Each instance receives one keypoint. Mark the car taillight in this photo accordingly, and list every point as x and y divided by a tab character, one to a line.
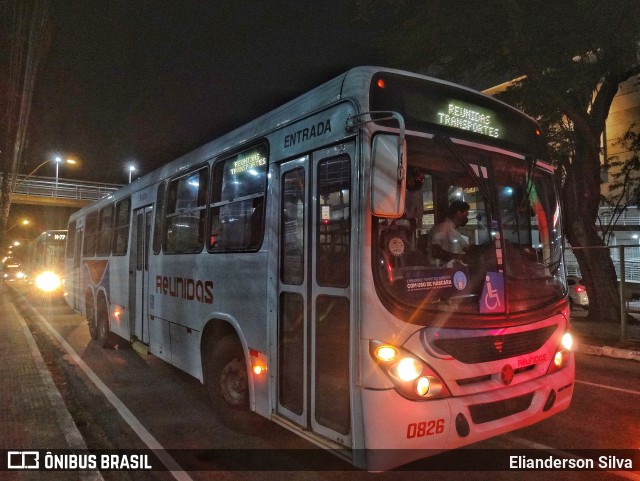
579	288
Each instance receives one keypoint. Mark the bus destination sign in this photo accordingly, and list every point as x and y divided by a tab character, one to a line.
471	118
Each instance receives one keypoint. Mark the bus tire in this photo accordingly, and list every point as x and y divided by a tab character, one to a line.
91	319
227	384
102	325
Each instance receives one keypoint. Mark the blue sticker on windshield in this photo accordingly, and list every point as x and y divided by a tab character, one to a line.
460	280
492	298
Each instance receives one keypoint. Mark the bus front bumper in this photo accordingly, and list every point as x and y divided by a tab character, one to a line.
398	431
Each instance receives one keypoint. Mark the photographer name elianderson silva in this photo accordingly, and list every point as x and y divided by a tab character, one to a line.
551	462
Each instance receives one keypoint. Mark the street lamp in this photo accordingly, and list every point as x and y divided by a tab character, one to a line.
132	169
58	161
22	222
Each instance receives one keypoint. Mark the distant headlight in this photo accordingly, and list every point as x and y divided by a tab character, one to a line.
20	275
48	281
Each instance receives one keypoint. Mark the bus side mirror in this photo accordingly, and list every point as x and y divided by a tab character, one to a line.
388	176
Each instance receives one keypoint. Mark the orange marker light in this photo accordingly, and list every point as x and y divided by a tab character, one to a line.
381	83
258	362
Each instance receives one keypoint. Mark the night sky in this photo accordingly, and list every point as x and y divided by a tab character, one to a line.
147	81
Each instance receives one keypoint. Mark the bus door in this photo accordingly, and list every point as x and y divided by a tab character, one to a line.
139	272
314	321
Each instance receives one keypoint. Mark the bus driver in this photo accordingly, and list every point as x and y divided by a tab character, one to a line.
445	242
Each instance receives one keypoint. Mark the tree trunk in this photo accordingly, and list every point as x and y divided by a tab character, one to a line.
5	205
581	199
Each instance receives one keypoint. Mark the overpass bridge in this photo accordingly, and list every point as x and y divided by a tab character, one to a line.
47	191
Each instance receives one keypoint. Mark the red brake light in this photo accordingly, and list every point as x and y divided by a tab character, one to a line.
381	83
579	288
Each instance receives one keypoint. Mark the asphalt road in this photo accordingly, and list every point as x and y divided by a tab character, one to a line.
158	403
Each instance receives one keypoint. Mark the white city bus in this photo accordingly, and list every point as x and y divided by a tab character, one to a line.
46	261
287	265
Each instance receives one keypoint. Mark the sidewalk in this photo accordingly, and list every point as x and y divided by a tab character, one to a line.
33	413
605	338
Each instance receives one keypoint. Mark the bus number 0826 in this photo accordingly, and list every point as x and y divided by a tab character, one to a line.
425	428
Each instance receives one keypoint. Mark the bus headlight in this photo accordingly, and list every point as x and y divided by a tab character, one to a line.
563	353
411	376
48	281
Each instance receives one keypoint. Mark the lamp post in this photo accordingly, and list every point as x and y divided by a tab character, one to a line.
58	161
132	169
22	222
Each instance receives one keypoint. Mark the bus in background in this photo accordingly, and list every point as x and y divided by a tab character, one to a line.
46	261
290	266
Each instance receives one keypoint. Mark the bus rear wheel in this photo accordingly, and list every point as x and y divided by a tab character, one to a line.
227	384
92	321
102	326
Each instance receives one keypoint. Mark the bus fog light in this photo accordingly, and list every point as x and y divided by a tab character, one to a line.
422	386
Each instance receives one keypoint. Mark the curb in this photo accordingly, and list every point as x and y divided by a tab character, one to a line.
608	351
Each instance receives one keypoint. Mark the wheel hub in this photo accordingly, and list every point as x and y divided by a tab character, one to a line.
233	383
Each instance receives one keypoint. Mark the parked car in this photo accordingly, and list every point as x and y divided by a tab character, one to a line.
577	292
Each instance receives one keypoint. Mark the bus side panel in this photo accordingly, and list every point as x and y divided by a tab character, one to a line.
118	296
188	290
159	338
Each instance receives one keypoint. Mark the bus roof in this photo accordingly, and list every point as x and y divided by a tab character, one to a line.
352	85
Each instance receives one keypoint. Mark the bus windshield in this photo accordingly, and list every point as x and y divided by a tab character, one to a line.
481	233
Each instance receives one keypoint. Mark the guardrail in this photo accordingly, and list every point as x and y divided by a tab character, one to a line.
626	260
63	188
630	264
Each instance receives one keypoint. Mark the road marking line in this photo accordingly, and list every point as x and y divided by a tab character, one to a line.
174	468
612	388
560	452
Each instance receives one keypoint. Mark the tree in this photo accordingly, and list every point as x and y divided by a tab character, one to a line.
569	58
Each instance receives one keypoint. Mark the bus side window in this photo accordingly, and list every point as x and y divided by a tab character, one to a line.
90	235
105	226
71	240
186	212
120	239
237	203
158	228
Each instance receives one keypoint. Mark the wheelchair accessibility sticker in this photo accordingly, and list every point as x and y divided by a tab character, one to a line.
492	298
